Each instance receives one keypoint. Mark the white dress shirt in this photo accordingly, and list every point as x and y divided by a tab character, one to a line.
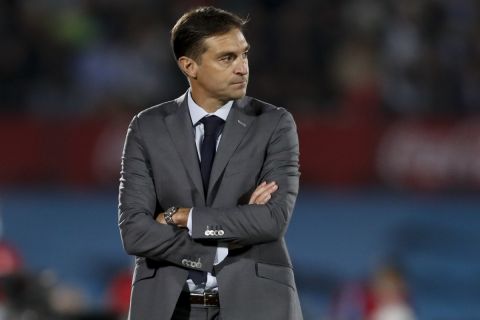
196	114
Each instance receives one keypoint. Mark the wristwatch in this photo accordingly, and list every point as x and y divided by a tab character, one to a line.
169	214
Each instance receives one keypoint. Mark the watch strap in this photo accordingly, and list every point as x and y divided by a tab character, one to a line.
168	215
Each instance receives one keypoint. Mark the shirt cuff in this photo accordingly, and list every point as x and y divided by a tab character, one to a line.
220	255
189	222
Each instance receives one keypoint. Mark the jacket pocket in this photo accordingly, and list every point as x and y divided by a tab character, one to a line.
280	274
142	271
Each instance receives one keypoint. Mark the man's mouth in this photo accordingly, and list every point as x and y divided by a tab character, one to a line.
243	82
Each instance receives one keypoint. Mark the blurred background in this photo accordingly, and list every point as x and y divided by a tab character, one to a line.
386	96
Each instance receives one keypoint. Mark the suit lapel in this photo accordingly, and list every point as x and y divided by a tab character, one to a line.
179	124
236	126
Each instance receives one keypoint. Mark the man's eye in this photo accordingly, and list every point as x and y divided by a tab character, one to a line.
245	55
226	58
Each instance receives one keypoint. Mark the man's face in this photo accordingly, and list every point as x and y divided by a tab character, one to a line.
222	70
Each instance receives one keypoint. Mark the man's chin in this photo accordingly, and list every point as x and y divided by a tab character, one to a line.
233	94
239	94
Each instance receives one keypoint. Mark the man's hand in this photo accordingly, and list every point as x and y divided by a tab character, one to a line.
180	218
263	193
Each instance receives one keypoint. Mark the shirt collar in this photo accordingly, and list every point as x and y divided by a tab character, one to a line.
197	112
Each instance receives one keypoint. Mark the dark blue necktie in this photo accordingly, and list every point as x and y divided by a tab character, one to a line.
212	127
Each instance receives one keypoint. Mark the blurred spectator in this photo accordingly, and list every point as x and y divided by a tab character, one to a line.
29	296
349	302
382	297
10	260
24	297
118	294
389	297
67	301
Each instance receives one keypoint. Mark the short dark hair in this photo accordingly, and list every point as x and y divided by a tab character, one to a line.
195	26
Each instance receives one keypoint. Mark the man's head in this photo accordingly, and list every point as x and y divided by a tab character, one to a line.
190	31
211	51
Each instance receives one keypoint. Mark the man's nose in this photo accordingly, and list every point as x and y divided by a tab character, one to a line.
241	66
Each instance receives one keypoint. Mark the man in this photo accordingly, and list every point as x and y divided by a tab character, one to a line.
208	186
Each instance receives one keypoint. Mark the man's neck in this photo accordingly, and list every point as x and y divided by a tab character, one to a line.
210	105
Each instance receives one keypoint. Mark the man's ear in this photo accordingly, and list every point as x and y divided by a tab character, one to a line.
188	66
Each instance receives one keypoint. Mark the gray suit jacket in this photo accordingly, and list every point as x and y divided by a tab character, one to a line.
160	168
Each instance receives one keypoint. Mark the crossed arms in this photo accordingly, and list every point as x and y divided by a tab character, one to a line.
261	195
265	218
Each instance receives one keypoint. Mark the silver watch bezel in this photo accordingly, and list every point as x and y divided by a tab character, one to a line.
168	215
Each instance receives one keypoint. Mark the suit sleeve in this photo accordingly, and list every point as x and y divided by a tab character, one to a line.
141	234
253	224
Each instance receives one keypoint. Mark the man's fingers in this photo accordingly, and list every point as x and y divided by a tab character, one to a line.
263	192
257	192
265	198
266	195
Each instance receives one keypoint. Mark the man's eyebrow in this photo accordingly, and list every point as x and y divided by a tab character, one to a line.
226	53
